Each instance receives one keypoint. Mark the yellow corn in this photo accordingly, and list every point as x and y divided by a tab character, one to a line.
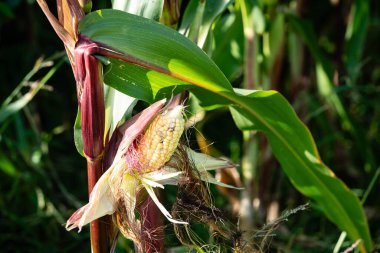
161	139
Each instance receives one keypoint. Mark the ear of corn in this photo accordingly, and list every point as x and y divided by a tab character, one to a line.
161	139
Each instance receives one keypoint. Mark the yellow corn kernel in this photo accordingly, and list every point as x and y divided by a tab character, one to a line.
161	139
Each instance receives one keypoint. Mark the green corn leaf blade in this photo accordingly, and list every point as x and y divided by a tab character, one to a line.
163	62
253	16
144	8
12	108
229	45
192	20
290	138
355	37
257	19
7	167
149	42
78	140
198	18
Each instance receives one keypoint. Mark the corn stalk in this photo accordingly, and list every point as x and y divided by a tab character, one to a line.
88	74
91	104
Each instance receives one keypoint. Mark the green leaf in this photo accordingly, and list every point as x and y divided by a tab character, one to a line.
295	149
162	62
6	110
229	45
258	19
253	16
198	18
145	8
355	36
78	140
7	166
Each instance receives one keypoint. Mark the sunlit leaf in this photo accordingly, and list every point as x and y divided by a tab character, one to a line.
144	8
198	18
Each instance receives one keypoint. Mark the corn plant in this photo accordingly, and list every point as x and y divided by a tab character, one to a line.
130	58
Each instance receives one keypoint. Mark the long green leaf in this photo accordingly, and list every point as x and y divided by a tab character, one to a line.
356	34
162	62
229	45
198	18
145	8
12	108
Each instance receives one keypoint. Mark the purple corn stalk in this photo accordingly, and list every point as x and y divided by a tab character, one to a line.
90	95
88	75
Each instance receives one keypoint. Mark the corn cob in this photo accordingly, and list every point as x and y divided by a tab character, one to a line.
161	139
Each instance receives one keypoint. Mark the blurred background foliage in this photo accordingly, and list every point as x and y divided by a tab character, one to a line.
323	56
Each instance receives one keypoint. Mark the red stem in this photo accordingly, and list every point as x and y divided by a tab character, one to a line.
99	229
91	100
88	75
90	94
